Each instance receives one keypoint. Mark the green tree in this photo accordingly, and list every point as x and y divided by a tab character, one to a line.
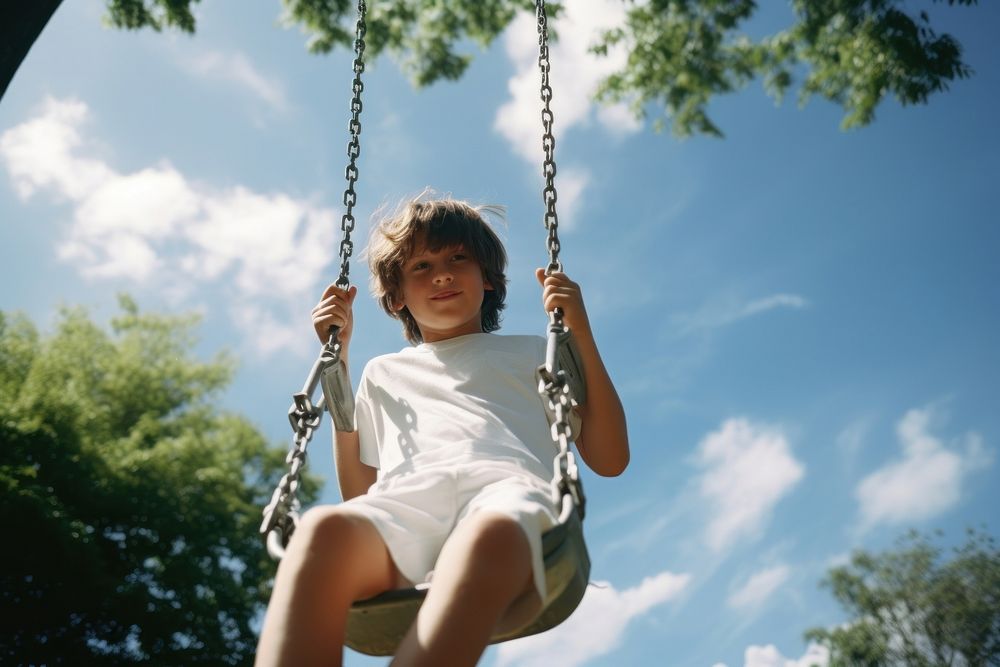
131	502
911	607
681	53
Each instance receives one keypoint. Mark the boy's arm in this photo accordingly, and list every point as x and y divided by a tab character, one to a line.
353	476
603	437
335	309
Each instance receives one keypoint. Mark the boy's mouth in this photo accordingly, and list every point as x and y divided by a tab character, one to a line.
447	294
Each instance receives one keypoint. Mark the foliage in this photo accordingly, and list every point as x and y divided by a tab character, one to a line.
131	502
910	607
680	53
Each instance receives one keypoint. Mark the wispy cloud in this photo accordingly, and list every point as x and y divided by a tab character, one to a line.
266	250
758	588
851	439
748	469
596	627
574	77
572	184
724	312
926	481
236	69
769	656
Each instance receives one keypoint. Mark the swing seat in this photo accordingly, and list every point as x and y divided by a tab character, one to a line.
377	625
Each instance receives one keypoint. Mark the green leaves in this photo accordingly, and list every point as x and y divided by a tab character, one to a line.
910	607
131	500
156	14
680	53
851	52
423	35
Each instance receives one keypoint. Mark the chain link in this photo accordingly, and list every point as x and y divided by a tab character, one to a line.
281	514
347	223
566	478
548	141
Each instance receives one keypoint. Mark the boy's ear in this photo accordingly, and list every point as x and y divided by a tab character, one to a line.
487	285
396	304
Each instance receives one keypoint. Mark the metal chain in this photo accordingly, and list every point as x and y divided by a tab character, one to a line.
566	478
555	385
353	151
548	141
281	514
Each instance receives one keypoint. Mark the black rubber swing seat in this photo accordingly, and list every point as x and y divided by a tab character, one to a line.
376	626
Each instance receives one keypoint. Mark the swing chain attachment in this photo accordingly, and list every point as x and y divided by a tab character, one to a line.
281	515
554	388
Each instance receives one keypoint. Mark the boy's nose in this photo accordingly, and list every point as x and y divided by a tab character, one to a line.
442	277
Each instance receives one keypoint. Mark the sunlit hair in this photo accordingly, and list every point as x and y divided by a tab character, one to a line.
435	224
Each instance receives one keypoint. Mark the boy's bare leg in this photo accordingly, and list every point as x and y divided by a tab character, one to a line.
334	559
484	566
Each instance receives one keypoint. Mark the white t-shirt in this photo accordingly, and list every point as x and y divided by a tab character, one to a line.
463	399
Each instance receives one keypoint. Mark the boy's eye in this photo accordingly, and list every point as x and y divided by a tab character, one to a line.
419	265
458	256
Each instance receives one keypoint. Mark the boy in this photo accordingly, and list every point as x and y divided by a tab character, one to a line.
448	471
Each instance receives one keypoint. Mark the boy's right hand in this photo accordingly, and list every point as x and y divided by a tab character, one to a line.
335	309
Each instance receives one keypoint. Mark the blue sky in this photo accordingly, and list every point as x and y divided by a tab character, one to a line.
802	322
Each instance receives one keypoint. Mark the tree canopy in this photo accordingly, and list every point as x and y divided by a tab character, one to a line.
913	607
680	53
131	501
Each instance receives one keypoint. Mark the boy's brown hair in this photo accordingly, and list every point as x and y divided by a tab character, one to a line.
436	224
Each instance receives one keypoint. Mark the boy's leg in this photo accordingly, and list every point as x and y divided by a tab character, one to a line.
484	566
334	559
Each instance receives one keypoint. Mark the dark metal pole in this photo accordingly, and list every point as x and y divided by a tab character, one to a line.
21	22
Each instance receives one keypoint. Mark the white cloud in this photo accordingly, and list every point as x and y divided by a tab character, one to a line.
769	656
852	438
574	76
721	313
748	469
926	481
772	302
572	185
759	587
596	627
38	153
266	333
236	68
264	250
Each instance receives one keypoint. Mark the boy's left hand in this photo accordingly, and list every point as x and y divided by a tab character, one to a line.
558	291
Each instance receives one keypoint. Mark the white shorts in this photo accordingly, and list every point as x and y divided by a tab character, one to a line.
415	512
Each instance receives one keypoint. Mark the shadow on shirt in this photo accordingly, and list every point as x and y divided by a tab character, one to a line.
405	419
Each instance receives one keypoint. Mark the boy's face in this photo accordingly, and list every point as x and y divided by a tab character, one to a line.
443	291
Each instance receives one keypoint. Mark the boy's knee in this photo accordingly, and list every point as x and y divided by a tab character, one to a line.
495	536
325	528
